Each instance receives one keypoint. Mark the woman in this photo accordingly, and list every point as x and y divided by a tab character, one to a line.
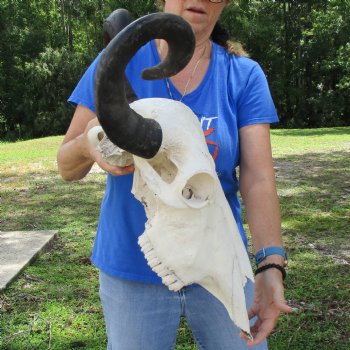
231	98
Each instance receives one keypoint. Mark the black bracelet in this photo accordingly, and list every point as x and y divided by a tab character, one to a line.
270	266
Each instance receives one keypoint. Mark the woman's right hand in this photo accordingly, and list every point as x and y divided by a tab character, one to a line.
96	156
77	155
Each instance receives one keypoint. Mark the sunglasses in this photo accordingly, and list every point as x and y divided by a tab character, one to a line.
216	1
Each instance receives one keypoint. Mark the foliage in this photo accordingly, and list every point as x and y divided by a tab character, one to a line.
50	79
303	46
45	46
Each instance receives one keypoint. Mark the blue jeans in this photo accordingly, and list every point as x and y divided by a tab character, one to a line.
143	316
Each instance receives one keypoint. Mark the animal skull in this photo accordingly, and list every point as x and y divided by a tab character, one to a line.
191	235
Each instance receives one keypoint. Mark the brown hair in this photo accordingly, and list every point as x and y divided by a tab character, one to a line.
221	37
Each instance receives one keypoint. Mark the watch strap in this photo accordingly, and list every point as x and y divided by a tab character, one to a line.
265	252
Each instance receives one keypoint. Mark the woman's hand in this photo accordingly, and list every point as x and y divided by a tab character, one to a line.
77	155
258	189
268	303
96	156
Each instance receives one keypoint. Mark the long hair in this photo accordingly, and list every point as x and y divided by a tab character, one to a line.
221	37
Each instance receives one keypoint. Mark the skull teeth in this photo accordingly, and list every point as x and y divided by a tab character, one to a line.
146	248
150	255
143	240
153	262
176	286
168	277
161	270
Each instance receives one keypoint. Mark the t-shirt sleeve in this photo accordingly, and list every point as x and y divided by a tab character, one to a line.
255	104
83	94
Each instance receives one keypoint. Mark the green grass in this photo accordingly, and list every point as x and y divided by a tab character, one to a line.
313	169
54	304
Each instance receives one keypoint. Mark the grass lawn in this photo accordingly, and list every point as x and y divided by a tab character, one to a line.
54	304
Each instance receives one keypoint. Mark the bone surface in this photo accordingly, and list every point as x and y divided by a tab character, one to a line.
109	151
190	235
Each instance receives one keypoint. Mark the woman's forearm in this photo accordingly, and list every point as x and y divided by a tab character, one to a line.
263	212
73	159
258	188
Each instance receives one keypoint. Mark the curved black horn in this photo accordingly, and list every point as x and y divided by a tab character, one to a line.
124	127
113	25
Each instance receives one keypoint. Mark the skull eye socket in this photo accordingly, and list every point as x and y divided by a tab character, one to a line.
198	190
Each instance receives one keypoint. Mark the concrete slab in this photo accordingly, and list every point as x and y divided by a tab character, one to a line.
18	249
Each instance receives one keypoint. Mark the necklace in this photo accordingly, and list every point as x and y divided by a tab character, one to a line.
189	79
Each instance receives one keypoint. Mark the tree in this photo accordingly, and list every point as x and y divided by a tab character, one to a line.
302	47
45	46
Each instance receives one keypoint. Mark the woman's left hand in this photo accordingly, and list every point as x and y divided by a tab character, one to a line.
268	303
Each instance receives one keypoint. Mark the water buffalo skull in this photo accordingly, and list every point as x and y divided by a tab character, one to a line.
190	235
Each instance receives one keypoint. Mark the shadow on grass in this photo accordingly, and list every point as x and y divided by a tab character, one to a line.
60	288
319	290
44	201
314	191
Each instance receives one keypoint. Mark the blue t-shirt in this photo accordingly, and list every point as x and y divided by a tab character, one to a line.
234	93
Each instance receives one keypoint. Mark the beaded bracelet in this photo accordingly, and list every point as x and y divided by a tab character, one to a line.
270	266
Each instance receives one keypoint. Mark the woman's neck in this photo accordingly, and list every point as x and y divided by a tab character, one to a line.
192	75
205	45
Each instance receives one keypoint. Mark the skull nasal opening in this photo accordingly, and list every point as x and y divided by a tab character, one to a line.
198	190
